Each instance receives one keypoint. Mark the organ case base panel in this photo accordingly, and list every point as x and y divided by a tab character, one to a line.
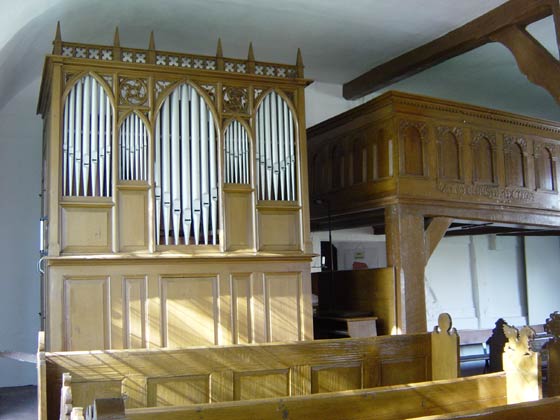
176	302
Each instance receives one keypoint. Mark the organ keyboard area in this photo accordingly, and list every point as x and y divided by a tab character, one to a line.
175	191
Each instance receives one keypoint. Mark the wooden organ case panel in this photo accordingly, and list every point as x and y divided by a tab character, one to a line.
176	208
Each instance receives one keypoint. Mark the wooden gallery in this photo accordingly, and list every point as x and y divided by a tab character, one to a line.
181	192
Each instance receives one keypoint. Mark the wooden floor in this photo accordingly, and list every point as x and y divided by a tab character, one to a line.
18	403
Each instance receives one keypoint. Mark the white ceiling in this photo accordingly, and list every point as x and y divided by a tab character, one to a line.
339	40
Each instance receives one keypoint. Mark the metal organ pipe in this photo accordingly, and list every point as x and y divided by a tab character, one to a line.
213	178
195	163
204	172
186	164
276	146
165	170
108	144
157	178
78	138
175	170
68	181
236	148
133	148
86	139
94	137
102	131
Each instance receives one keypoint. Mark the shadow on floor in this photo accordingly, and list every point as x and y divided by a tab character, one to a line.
18	403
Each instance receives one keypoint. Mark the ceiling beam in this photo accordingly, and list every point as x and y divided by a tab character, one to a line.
468	37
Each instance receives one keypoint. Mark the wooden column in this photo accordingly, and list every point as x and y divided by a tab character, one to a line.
404	232
53	153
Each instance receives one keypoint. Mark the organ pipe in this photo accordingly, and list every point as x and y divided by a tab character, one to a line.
86	138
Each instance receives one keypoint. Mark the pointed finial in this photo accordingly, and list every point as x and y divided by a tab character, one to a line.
219	56
57	43
117	45
251	55
151	59
219	51
299	63
58	36
116	38
251	60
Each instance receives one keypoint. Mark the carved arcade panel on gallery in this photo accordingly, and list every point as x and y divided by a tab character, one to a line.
409	165
151	153
440	150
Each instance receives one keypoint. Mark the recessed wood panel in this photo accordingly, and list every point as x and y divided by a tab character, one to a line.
279	230
413	150
403	371
85	313
86	229
242	313
336	378
515	167
283	293
262	384
133	211
544	165
178	390
134	312
83	393
189	311
239	220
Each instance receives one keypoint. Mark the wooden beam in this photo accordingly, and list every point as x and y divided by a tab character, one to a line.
435	231
540	67
468	37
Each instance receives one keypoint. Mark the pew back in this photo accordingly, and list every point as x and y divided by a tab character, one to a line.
149	378
544	409
385	403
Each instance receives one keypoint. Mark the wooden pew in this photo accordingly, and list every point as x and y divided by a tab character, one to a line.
384	403
228	373
544	409
519	383
552	349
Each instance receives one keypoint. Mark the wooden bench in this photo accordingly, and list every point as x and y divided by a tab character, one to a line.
227	373
519	383
544	409
383	403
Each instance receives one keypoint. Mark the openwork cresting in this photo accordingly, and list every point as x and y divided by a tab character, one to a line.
174	59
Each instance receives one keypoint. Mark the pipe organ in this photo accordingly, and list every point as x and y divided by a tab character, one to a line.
175	199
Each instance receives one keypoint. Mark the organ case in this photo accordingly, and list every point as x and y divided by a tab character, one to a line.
175	199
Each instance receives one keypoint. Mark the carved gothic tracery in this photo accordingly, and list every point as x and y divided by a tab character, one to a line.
236	100
133	91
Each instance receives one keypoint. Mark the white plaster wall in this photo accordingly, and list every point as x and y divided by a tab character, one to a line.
542	256
448	283
20	177
500	273
323	101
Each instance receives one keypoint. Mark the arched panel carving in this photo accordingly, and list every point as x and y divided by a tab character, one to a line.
545	168
337	167
449	143
515	152
413	141
484	158
380	154
359	161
